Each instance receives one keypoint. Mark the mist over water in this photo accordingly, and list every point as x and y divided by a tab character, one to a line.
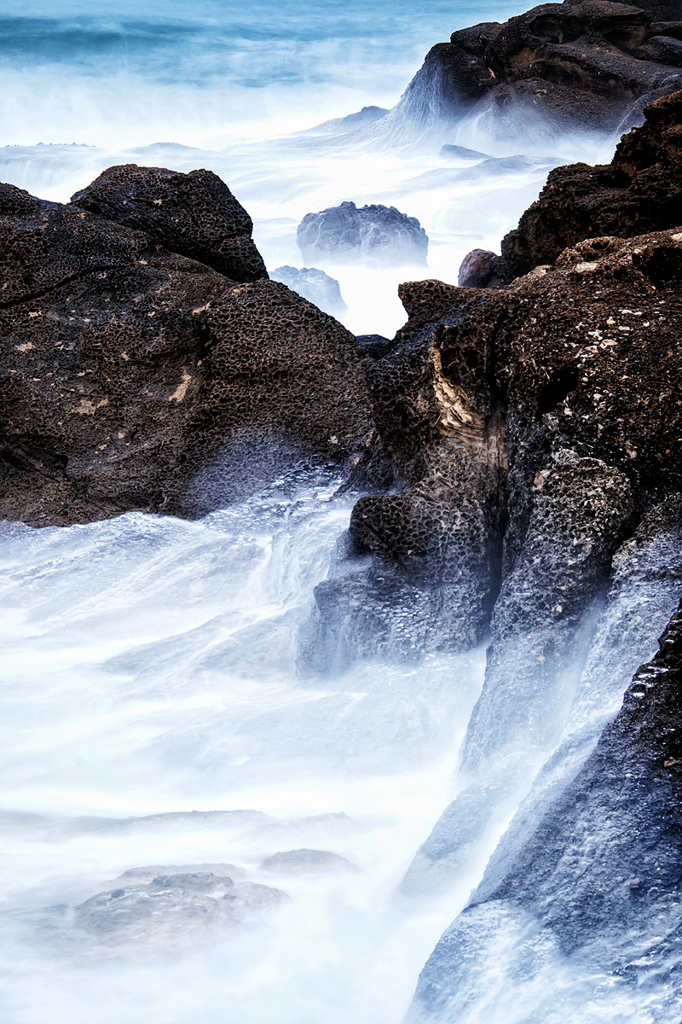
148	669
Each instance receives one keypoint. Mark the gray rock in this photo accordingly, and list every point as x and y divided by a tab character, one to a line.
301	862
375	235
172	911
313	285
476	268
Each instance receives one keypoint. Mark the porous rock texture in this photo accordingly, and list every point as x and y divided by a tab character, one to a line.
376	235
582	64
639	191
546	413
595	891
193	214
136	377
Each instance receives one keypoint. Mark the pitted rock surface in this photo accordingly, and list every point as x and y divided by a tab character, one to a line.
564	381
137	378
193	214
638	192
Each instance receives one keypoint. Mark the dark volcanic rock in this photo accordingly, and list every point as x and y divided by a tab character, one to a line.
477	268
375	235
582	64
315	286
638	192
136	378
193	214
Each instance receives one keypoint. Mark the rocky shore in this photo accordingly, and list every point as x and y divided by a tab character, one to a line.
516	448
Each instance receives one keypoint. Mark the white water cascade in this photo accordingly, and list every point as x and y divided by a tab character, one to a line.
148	671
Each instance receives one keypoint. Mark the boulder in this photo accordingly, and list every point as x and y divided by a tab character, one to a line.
173	911
315	286
136	377
374	235
477	268
193	214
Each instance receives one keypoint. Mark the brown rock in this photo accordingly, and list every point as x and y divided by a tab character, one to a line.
137	378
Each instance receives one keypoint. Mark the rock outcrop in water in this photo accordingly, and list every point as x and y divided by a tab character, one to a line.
378	236
529	435
315	286
639	191
135	376
573	66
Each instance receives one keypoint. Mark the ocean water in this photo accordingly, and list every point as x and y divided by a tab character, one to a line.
148	665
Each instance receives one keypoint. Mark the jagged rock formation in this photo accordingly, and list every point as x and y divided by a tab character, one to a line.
375	235
193	214
578	65
595	890
136	377
529	437
315	286
493	427
639	191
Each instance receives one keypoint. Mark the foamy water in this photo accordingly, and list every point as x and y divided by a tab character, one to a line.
148	667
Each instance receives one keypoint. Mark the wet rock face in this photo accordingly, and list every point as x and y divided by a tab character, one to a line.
315	286
595	891
376	235
134	377
193	214
580	64
638	192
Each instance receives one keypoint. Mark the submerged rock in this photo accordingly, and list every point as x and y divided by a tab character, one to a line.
314	285
307	862
375	235
173	911
134	377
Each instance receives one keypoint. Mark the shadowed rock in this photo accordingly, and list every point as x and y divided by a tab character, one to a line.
375	235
